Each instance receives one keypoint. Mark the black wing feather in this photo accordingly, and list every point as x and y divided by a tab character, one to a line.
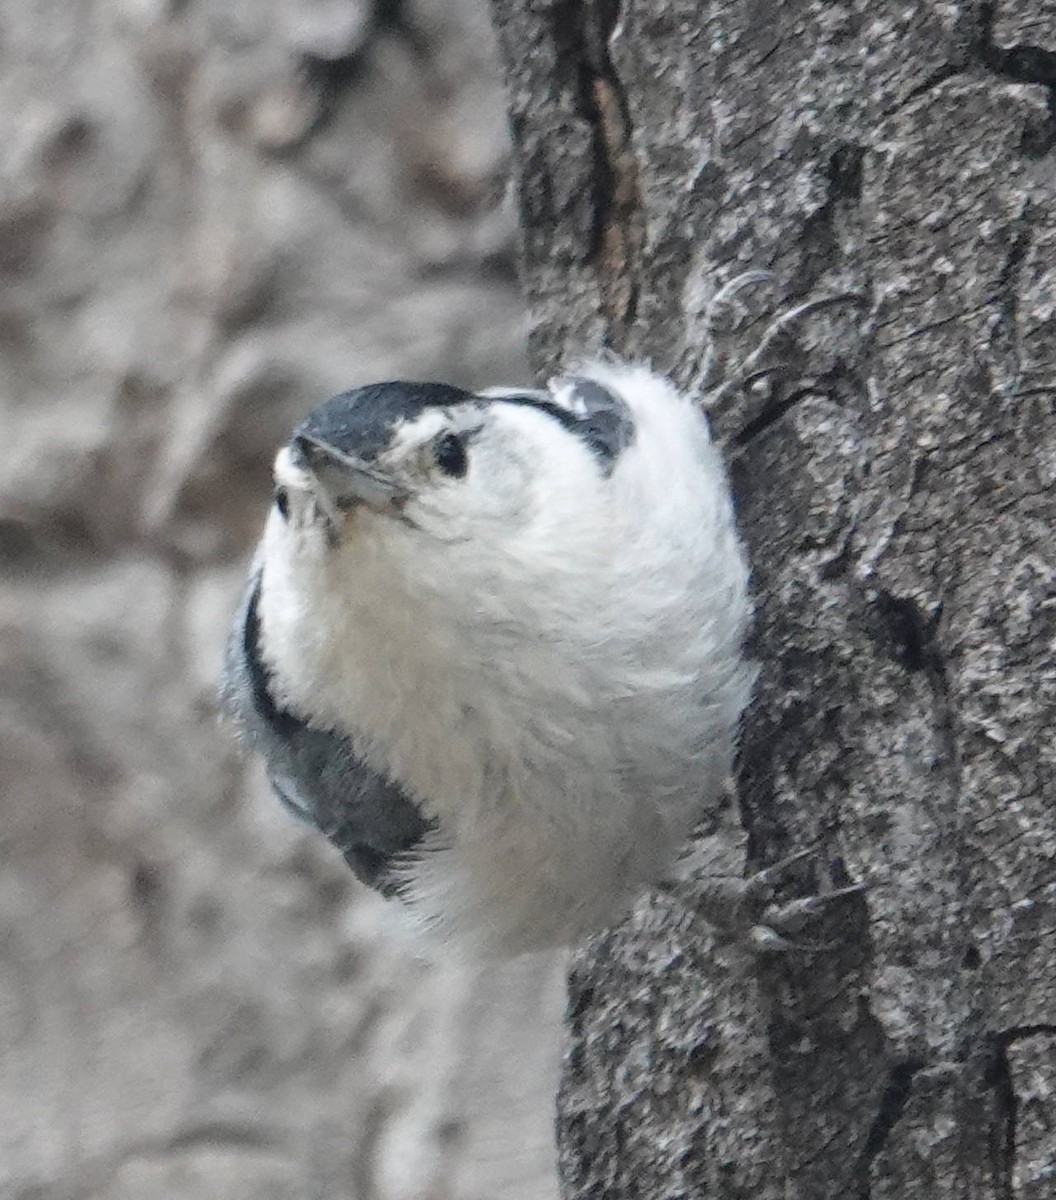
316	772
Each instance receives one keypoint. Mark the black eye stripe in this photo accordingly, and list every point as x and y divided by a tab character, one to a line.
600	418
561	415
282	502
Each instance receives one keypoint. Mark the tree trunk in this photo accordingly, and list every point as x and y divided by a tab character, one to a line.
900	513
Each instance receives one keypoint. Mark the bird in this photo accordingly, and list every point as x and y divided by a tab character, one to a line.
492	645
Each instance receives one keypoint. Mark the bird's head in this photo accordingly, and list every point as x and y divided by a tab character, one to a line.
436	464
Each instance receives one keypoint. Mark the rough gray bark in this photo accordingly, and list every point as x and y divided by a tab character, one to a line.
900	515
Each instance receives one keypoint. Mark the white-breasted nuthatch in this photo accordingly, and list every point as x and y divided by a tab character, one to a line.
492	644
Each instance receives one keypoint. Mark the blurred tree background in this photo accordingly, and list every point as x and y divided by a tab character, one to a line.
213	214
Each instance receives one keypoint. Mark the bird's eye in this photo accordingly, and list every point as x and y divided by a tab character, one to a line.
449	452
282	502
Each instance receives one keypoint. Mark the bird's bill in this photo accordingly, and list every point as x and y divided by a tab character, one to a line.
344	480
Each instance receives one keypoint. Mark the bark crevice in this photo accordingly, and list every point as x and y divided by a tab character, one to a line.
582	33
1019	63
893	1101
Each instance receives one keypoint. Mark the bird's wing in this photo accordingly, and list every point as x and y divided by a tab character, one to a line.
316	773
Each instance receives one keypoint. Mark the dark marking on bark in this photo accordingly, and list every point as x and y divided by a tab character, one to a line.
580	998
843	184
1038	139
1017	251
1018	1033
1024	63
998	1078
582	32
908	632
1008	282
838	874
893	1101
839	565
1004	336
578	1007
844	172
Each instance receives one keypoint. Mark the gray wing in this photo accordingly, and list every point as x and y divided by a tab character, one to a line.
315	772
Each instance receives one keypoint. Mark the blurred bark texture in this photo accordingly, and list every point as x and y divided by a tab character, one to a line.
901	518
